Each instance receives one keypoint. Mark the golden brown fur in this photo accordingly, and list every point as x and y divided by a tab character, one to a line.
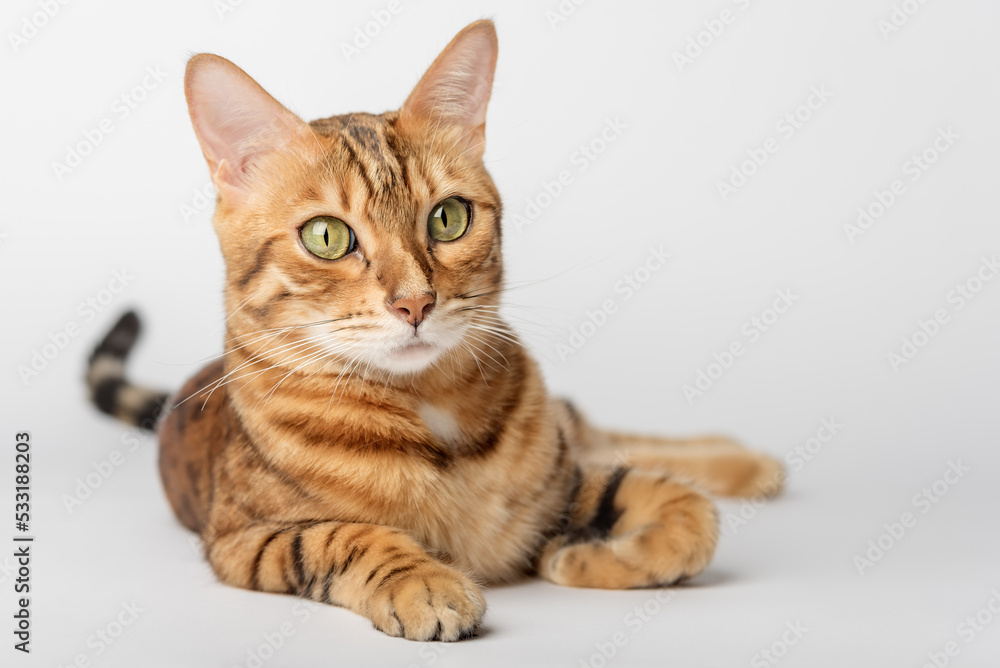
310	467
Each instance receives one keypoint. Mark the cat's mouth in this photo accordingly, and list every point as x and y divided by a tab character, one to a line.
408	351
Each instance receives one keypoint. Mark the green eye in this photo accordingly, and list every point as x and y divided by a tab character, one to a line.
449	220
327	237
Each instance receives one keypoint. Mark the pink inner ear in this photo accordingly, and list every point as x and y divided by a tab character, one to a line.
456	88
234	118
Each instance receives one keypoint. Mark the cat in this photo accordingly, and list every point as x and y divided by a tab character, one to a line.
375	436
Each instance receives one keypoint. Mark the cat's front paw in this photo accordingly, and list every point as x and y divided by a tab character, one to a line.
435	602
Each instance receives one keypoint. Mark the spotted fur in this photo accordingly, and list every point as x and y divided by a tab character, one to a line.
333	453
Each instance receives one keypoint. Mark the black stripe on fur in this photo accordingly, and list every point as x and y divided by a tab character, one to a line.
107	382
120	339
607	514
106	394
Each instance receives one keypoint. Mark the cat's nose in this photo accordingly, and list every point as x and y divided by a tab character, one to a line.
413	309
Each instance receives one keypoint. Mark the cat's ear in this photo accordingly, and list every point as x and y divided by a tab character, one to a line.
456	88
235	120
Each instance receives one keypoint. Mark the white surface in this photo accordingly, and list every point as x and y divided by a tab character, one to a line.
655	185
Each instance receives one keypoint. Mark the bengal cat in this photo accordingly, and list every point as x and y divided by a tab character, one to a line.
375	436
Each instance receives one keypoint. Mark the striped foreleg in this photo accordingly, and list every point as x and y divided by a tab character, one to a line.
376	571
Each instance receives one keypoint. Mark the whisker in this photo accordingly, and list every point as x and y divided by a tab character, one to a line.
497	332
502	321
501	329
224	352
278	332
519	285
309	359
475	358
293	327
240	307
505	365
329	404
226	381
216	384
350	371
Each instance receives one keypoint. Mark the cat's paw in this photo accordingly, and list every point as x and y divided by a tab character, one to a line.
667	531
434	603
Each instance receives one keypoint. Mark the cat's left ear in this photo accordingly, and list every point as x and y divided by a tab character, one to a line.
236	121
456	87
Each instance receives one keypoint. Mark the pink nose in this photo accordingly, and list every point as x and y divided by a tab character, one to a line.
413	309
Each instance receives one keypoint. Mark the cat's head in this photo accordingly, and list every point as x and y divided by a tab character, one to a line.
362	239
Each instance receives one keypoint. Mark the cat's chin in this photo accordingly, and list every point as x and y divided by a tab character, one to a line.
411	358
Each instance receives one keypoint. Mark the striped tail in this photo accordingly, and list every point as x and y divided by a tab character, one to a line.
110	391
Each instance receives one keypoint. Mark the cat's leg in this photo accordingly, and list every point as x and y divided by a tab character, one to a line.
376	571
718	464
631	528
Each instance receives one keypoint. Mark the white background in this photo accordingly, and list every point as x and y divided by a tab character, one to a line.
655	185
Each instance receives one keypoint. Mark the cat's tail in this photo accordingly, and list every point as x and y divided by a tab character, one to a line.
110	391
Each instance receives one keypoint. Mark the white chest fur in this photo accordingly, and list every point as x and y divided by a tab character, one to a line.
442	423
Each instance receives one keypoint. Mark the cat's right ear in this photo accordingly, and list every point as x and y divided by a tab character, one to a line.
456	87
235	120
